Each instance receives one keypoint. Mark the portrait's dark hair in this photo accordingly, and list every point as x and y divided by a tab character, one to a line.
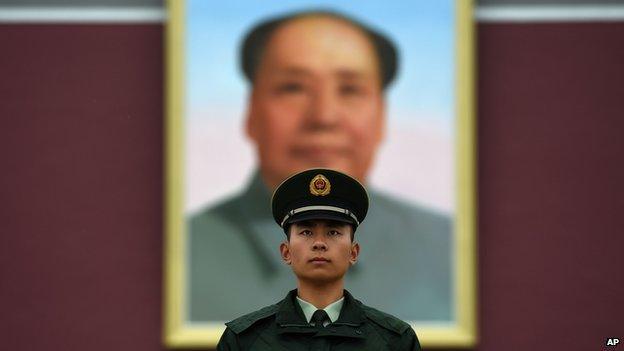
255	41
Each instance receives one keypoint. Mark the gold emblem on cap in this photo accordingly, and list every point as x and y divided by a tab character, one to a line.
320	185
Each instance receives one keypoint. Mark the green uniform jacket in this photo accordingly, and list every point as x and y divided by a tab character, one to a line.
283	327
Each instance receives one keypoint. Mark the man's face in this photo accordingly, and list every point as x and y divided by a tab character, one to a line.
320	251
317	100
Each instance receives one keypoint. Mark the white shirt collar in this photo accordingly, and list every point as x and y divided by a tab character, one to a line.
333	309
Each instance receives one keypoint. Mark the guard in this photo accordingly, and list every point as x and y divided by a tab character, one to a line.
319	211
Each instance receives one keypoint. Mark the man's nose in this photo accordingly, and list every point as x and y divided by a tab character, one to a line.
324	108
319	245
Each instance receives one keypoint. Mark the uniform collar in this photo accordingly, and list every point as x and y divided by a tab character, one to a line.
333	309
290	312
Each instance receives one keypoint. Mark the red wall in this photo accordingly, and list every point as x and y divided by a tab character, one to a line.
551	197
81	141
81	150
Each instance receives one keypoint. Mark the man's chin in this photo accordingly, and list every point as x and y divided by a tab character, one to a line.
335	164
320	277
276	174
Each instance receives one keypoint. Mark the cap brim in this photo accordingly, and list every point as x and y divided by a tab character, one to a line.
329	215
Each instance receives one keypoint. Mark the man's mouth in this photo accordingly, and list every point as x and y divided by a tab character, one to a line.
319	259
320	152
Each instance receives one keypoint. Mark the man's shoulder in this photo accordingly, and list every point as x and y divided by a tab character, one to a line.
242	332
227	208
390	206
219	220
385	320
243	323
397	332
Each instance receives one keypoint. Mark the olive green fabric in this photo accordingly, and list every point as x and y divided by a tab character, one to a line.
234	265
283	327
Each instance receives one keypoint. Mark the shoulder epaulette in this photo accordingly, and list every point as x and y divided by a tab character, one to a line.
241	323
385	320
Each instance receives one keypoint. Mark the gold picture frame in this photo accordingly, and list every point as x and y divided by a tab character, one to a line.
178	333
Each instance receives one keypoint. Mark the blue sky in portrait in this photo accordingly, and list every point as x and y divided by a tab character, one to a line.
422	30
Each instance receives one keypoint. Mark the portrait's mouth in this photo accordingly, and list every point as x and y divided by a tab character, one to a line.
319	260
316	152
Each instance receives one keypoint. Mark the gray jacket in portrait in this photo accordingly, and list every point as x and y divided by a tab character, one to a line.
234	264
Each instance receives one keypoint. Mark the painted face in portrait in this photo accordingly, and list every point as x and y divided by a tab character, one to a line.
317	100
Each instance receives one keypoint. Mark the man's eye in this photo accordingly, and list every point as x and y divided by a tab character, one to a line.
290	87
334	233
306	232
351	89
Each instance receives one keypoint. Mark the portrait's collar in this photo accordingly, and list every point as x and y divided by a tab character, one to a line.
257	198
253	206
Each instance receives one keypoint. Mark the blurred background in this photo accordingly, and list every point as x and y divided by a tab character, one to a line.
81	144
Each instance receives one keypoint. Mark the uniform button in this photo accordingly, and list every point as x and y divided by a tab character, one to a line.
358	332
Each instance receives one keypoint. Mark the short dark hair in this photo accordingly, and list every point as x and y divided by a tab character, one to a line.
255	41
288	226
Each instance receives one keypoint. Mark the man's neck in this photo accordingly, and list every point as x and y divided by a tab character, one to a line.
320	295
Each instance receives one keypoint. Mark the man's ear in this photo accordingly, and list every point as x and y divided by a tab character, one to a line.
285	252
251	123
355	252
381	132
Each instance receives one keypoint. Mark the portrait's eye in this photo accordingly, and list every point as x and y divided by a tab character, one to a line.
351	90
290	88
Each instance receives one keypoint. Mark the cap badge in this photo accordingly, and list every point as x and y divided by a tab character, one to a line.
319	185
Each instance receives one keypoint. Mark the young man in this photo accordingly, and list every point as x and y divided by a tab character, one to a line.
319	211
